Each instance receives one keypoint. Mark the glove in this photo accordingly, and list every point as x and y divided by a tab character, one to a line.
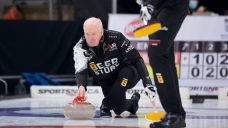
139	2
150	91
146	11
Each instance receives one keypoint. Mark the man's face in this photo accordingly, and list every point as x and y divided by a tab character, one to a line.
93	35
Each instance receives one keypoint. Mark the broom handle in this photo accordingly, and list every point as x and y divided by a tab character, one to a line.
152	101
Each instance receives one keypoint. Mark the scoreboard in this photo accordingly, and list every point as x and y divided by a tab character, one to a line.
195	60
202	60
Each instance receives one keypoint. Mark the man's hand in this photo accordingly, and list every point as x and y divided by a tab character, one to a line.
139	2
150	91
146	11
81	93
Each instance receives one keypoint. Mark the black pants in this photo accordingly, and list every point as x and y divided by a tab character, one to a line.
114	89
162	57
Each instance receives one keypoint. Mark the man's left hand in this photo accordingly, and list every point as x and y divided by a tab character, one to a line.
150	91
139	2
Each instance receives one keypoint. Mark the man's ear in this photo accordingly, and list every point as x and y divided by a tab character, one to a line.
102	32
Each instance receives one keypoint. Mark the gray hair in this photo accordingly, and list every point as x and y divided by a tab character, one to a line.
93	21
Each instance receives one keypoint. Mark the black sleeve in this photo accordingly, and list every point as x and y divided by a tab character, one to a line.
126	49
133	56
81	78
142	70
152	2
80	64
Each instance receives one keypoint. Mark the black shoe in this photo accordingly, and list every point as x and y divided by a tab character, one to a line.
135	97
165	117
170	121
105	112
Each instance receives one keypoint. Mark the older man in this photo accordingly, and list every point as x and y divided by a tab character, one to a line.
114	63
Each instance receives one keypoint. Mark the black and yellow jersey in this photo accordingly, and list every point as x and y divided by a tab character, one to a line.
113	52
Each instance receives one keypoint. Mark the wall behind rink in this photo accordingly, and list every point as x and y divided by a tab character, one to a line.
38	46
94	93
201	50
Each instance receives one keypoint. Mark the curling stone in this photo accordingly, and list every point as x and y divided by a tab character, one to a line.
79	110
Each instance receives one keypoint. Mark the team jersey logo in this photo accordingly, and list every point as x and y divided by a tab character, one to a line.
124	82
160	78
111	47
104	68
87	53
129	48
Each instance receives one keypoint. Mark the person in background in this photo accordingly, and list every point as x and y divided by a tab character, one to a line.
197	7
171	14
193	4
